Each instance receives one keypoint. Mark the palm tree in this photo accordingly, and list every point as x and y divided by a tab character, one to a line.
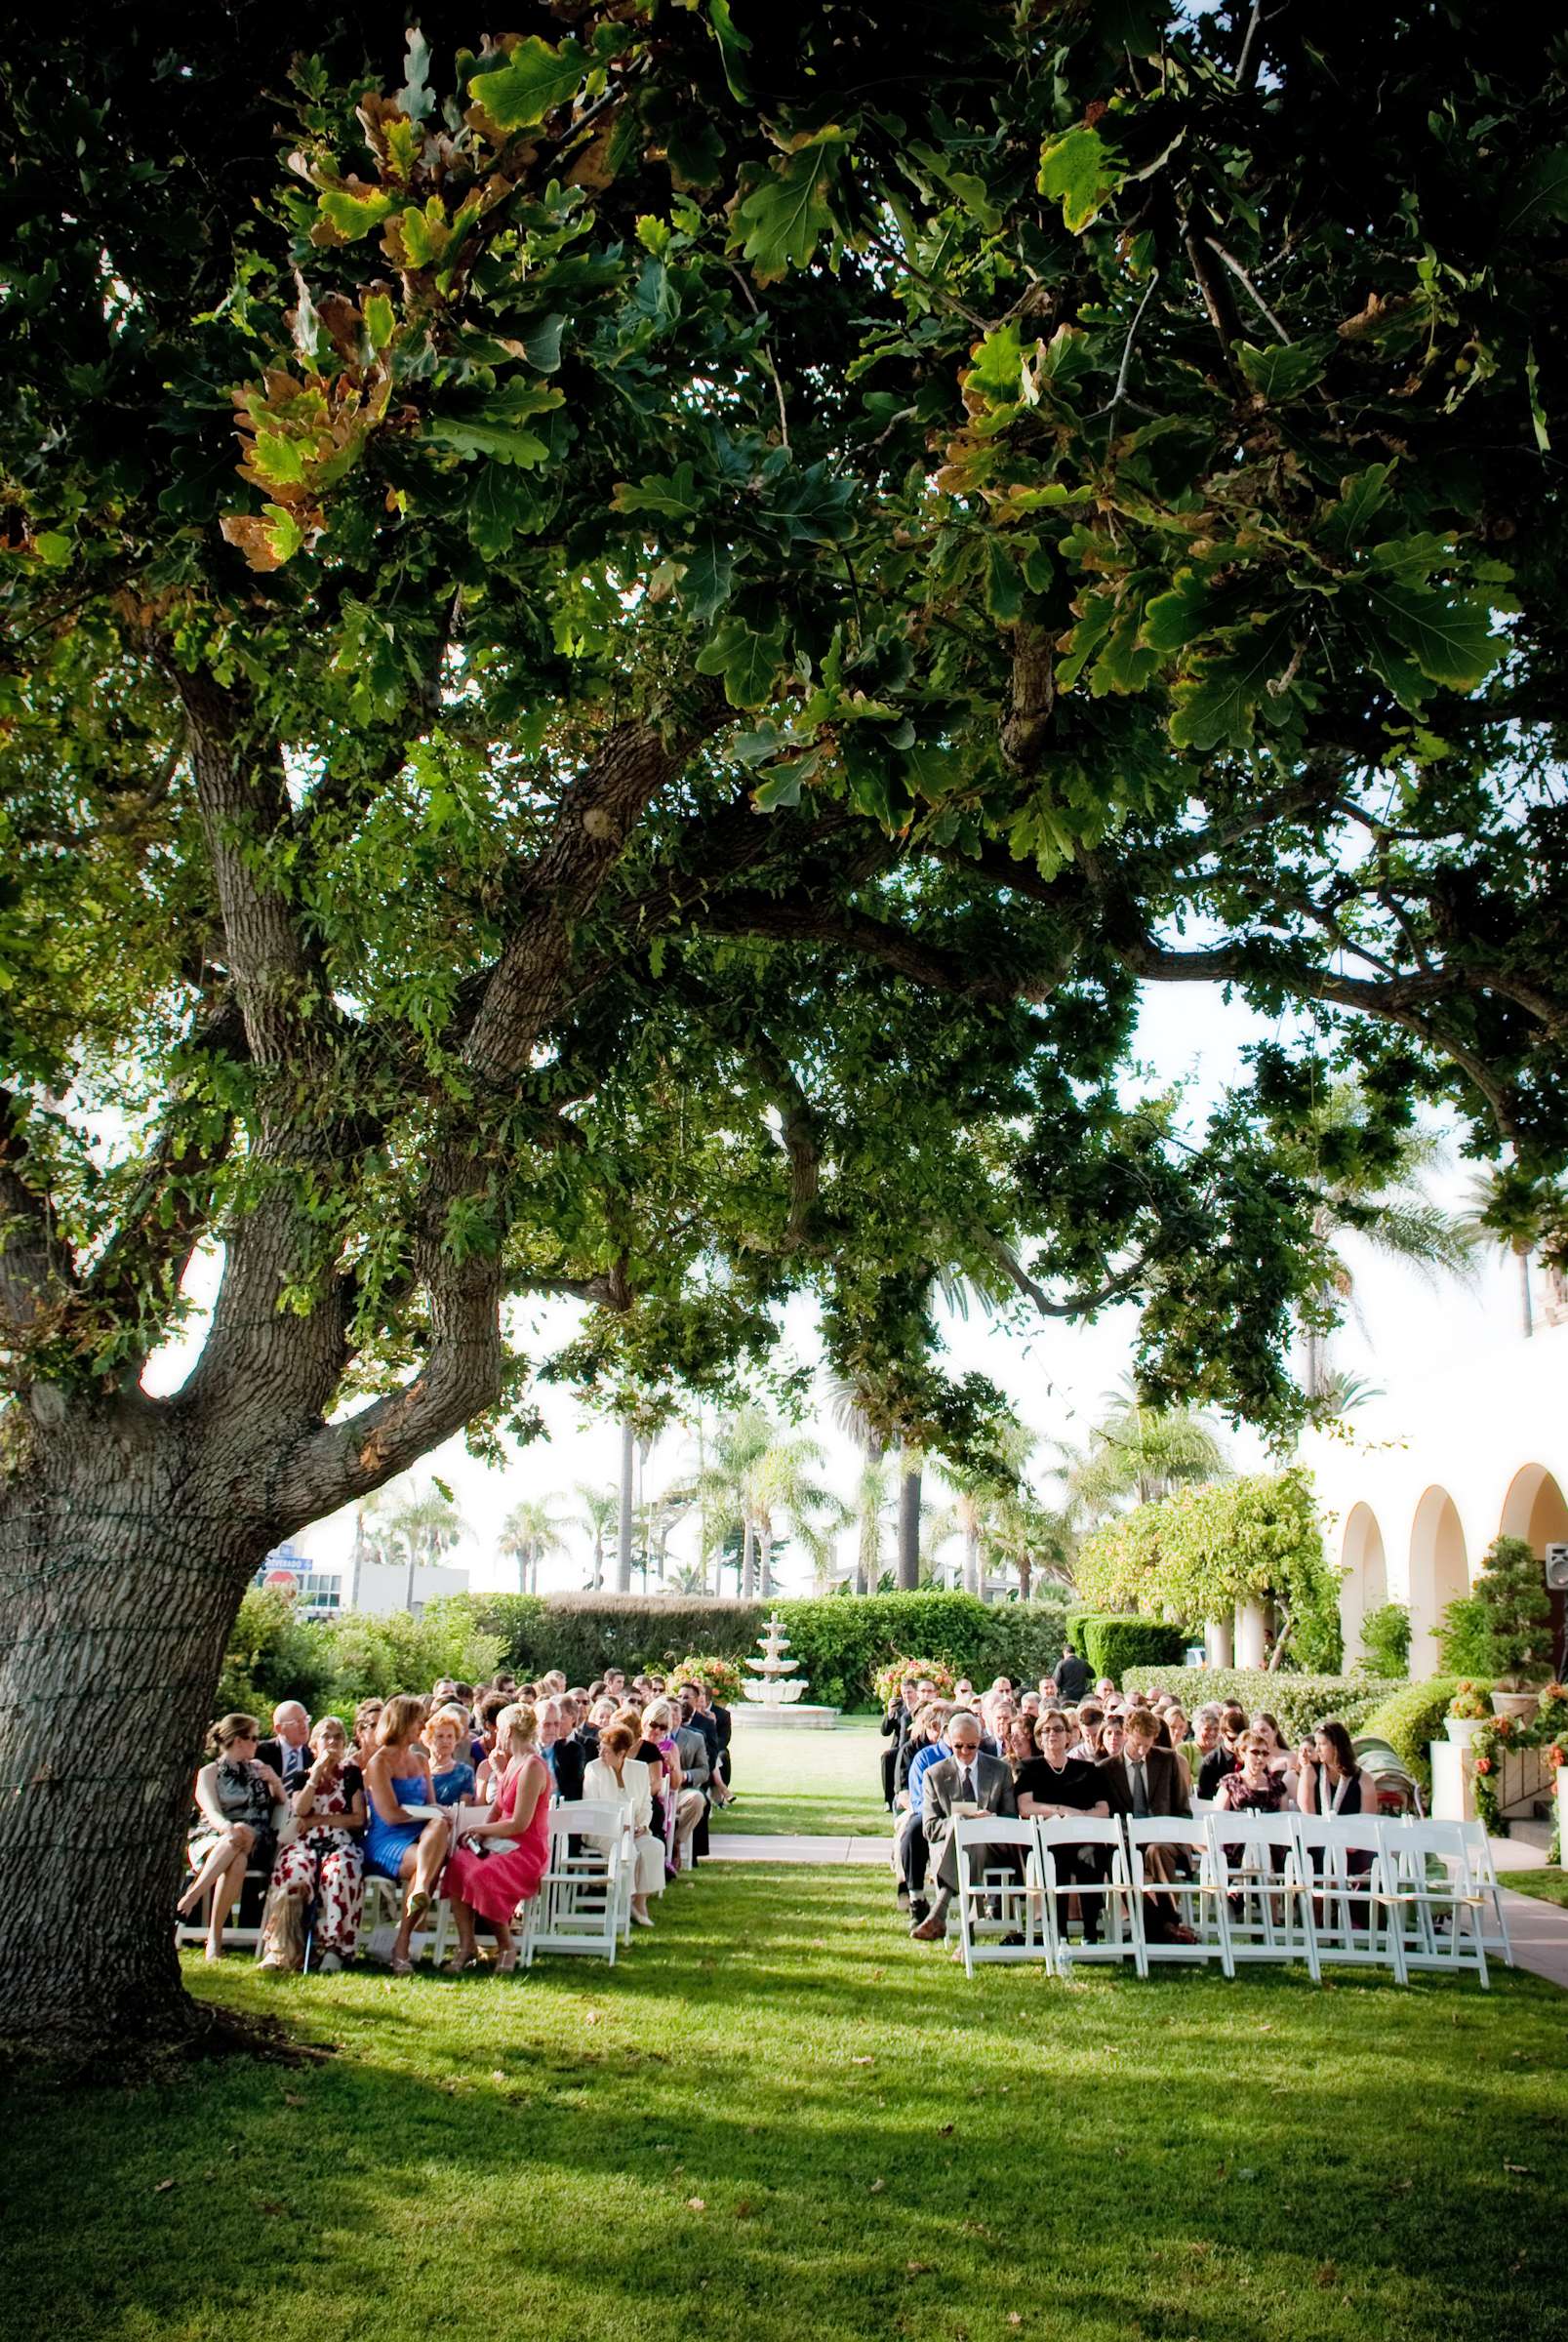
1492	1218
850	1415
419	1524
1010	1526
760	1477
598	1509
529	1534
1391	1208
1137	1455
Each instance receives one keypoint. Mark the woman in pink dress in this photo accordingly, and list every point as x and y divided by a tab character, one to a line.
500	1863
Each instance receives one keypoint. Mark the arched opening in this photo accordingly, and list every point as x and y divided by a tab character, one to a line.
1438	1574
1365	1584
1535	1510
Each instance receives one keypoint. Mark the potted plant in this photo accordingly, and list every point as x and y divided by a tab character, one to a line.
1516	1609
1468	1711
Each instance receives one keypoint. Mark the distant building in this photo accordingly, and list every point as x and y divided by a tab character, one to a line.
316	1592
379	1587
1424	1480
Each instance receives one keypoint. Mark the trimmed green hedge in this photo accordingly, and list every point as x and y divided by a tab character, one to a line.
1411	1717
839	1641
1299	1702
1113	1644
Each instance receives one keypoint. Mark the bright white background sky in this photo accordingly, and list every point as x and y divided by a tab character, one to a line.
1055	1375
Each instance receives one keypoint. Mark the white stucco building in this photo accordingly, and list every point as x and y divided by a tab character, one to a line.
1424	1478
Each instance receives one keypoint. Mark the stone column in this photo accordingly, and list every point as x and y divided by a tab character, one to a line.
1217	1641
1251	1634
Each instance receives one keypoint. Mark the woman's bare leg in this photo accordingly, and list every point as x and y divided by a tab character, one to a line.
224	1897
239	1839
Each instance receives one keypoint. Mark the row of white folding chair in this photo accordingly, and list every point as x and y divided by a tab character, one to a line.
583	1904
1258	1887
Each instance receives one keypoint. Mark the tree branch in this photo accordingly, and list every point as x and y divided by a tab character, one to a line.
37	1274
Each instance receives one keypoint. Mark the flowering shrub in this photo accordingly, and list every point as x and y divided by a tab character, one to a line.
887	1680
1546	1729
721	1676
1469	1702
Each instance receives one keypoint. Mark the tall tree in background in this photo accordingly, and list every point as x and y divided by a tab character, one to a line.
767	594
529	1533
1135	1455
598	1510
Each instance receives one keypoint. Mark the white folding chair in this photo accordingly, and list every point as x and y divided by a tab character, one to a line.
1439	1904
581	1897
996	1899
1258	1869
1199	1902
1121	1920
1483	1875
1345	1861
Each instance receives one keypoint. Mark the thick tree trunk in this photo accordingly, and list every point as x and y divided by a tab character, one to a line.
121	1571
971	1561
908	1531
749	1562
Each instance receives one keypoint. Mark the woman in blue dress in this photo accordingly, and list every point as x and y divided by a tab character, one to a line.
451	1774
400	1844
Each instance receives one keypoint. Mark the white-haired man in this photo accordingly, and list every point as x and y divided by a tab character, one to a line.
966	1780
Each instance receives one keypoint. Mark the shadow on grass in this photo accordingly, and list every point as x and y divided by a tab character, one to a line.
778	2115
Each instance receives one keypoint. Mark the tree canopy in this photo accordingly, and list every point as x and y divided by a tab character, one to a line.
780	569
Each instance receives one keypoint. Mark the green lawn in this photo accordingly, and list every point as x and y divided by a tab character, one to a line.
815	1784
782	2119
1547	1886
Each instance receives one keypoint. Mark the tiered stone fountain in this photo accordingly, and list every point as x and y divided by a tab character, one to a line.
775	1697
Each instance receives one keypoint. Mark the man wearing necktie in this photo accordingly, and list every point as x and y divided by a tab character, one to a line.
1144	1779
965	1778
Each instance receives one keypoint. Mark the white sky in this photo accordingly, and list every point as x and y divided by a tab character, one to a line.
1055	1375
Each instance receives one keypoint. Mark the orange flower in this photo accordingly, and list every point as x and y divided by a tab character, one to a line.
1484	1764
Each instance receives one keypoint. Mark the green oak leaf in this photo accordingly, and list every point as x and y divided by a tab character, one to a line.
499	430
534	81
785	215
1083	172
709	573
1282	369
354	215
1363	493
813	507
747	661
1004	588
1449	638
674	493
1179	616
1543	193
504	502
996	373
1217	702
733	46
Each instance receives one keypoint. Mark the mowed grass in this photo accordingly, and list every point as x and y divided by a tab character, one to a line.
780	2118
811	1784
1547	1886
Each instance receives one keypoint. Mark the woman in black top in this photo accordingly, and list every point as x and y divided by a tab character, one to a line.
1054	1785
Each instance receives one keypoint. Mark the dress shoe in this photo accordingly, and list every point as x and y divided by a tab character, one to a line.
928	1931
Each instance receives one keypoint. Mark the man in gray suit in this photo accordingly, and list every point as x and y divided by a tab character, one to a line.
964	1778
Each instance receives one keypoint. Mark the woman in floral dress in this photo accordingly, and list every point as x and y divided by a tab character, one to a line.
325	1862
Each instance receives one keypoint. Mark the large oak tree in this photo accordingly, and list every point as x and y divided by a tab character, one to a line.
781	566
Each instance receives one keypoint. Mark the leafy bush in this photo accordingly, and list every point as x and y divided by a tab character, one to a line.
1511	1590
1299	1702
1111	1646
841	1644
888	1679
721	1676
1201	1552
583	1634
1386	1643
1411	1717
374	1657
1021	1639
1464	1645
273	1655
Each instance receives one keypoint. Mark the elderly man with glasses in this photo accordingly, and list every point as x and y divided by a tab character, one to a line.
965	1780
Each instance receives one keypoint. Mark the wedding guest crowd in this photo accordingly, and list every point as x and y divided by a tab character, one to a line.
447	1795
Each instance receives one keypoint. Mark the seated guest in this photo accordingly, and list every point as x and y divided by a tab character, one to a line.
325	1865
723	1725
923	1749
235	1795
443	1692
964	1778
963	1692
1232	1724
1176	1725
563	1754
452	1777
492	1707
617	1778
1142	1779
585	1731
288	1750
1054	1785
1281	1757
646	1751
684	1802
1255	1787
1021	1744
1091	1723
1331	1780
498	1862
1104	1691
1033	1706
367	1716
615	1686
398	1844
1215	1760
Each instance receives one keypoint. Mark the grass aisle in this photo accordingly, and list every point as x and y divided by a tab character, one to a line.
780	2119
807	1784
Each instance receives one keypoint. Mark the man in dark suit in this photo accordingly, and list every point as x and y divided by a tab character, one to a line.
1144	1778
289	1751
966	1777
564	1756
1071	1676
